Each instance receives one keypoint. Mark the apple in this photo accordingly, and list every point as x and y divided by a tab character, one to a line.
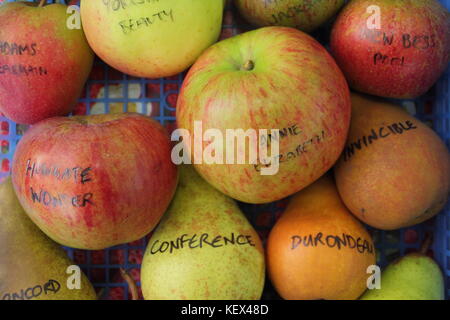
270	78
91	182
43	64
305	15
151	39
392	48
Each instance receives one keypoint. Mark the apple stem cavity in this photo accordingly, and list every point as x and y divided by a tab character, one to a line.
131	284
42	3
249	65
426	244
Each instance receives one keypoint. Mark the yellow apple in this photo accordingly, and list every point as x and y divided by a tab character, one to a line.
151	38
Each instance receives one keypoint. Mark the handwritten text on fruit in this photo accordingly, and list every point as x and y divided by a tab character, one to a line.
299	150
290	12
405	40
22	70
78	174
12	48
81	175
200	241
131	25
116	5
375	134
332	241
19	49
51	286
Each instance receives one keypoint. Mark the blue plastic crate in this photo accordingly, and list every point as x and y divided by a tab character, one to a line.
120	94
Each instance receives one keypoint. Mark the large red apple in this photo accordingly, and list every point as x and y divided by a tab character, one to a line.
43	63
92	182
392	48
270	78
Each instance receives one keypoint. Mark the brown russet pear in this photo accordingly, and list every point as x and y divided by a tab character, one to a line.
395	170
31	265
318	249
203	249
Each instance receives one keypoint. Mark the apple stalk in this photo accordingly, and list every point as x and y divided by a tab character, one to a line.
249	65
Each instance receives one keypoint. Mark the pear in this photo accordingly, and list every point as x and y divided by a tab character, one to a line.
204	248
415	276
395	170
31	265
318	249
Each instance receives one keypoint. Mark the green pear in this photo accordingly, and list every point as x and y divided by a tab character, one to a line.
31	265
204	248
412	277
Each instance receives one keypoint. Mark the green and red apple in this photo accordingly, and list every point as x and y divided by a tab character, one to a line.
43	63
270	78
305	15
92	182
392	48
151	39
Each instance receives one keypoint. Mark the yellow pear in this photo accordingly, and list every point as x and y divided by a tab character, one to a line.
204	248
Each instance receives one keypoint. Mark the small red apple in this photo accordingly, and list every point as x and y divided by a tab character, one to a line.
392	48
43	63
91	182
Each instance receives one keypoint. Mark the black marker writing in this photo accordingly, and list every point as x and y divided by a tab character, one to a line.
23	70
59	199
332	241
292	130
131	25
299	150
405	40
11	49
50	287
375	134
290	12
382	59
116	5
77	174
200	241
